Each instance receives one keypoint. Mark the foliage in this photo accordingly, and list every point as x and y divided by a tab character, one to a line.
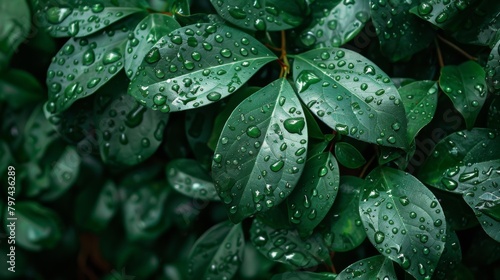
266	139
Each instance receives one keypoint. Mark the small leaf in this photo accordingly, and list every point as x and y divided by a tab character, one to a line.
335	23
304	275
145	35
464	85
314	194
256	163
39	134
407	228
96	205
218	253
287	247
364	104
268	15
197	65
76	19
492	70
348	155
442	14
343	228
189	178
494	114
14	28
377	267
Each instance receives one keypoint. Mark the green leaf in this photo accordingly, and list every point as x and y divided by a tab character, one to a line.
151	29
377	267
348	155
403	220
189	178
317	148
37	227
286	246
314	194
15	26
83	65
144	215
218	253
451	257
39	134
351	95
458	215
197	65
420	100
343	228
442	14
128	132
268	15
64	18
494	114
5	158
199	124
455	151
335	23
400	33
96	205
304	275
465	86
480	25
177	7
20	88
492	70
257	160
313	128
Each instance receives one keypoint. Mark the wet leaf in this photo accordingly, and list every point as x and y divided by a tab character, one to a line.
96	205
420	101
451	257
37	226
197	65
351	95
343	228
20	88
65	18
304	275
256	163
458	215
177	7
268	15
348	155
408	229
377	267
128	132
480	25
39	134
314	194
218	253
492	70
286	246
494	114
151	29
199	124
400	33
465	86
335	23
442	14
15	25
189	178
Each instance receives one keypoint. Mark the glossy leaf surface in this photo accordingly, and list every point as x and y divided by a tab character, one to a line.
348	155
441	13
377	267
492	69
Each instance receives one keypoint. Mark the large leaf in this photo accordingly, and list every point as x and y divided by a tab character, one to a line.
335	22
400	33
218	253
420	100
83	65
377	267
74	18
197	65
260	155
465	86
15	26
95	206
403	220
286	246
351	95
481	24
451	257
344	230
442	14
492	69
314	194
145	35
270	15
128	132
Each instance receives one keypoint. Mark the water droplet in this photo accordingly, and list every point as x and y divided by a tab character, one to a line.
449	183
214	96
379	237
369	70
253	131
305	79
260	24
294	125
442	17
93	82
88	57
56	15
277	166
237	13
153	56
424	8
322	171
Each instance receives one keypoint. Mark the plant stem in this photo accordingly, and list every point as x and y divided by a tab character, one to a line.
365	168
457	48
285	65
439	54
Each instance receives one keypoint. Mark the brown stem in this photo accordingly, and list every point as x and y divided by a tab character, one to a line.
365	168
439	54
457	48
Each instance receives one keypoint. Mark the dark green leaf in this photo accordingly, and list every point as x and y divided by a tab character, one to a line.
494	114
37	227
287	247
400	33
254	265
257	160
199	127
451	257
19	88
348	155
480	25
317	149
151	29
335	22
270	15
377	267
197	65
189	178
5	157
96	205
465	86
458	215
420	100
304	275
313	128
442	14
39	134
218	253
64	18
128	132
398	156
344	230
314	194
351	95
407	228
15	26
492	70
180	7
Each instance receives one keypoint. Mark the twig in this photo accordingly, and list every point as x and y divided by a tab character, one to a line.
457	48
365	168
439	54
